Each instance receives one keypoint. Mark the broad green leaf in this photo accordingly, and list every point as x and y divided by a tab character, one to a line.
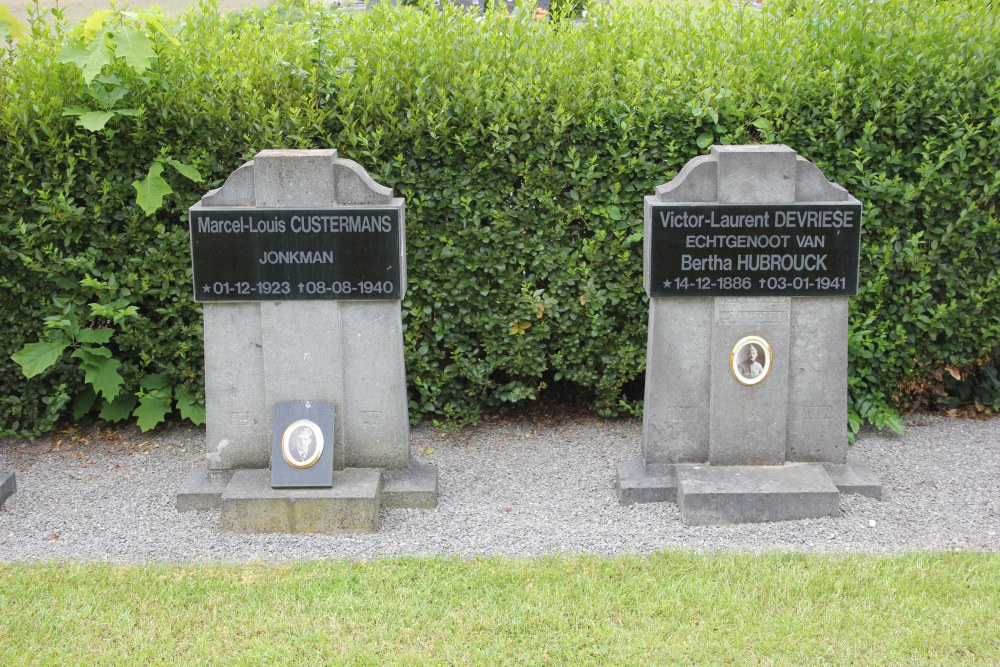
34	358
99	336
152	190
151	411
104	97
185	170
119	409
83	402
154	20
91	60
188	407
154	381
10	27
75	111
90	120
704	140
128	112
91	355
134	48
95	22
101	373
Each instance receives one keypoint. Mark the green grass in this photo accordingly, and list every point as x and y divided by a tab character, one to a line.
670	608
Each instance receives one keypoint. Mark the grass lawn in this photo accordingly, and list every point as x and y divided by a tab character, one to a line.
670	608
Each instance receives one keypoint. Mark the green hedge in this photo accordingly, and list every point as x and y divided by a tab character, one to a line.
523	149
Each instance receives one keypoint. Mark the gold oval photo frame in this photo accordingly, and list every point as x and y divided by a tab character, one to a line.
292	439
750	360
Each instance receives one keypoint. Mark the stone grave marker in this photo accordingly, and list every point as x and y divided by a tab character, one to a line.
750	255
8	485
300	262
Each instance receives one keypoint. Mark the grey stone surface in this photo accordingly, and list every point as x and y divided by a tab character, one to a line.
414	487
8	485
811	184
817	380
237	429
236	191
855	477
349	353
639	482
711	495
756	174
695	411
202	489
675	418
747	424
375	408
351	505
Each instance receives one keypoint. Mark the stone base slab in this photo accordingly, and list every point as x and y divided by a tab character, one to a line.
202	489
640	483
711	495
416	487
8	485
351	505
852	477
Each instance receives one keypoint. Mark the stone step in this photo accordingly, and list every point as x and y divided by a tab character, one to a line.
351	505
710	495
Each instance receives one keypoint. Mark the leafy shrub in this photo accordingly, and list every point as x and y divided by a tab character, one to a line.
523	149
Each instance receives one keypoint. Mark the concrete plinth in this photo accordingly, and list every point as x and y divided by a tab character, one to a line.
202	489
639	482
415	487
853	477
8	485
754	494
351	505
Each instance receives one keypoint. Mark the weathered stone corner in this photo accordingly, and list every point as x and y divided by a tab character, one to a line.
8	485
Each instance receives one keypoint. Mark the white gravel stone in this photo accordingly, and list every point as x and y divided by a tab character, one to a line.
510	488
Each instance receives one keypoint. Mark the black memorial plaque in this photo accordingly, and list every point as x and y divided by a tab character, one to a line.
302	445
755	250
295	254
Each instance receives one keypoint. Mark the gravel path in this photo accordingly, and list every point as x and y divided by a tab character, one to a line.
512	488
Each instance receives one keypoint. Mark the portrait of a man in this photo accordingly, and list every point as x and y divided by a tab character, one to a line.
750	368
750	360
302	444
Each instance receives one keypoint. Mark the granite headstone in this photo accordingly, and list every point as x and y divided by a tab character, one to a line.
750	255
300	262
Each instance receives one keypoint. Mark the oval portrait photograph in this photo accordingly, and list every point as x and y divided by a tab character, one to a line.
302	444
750	360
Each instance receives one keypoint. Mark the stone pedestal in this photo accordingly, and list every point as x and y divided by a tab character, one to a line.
346	352
697	411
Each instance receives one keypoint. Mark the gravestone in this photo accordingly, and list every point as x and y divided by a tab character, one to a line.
300	262
750	255
8	485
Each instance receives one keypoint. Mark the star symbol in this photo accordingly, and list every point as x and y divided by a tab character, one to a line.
206	288
666	283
